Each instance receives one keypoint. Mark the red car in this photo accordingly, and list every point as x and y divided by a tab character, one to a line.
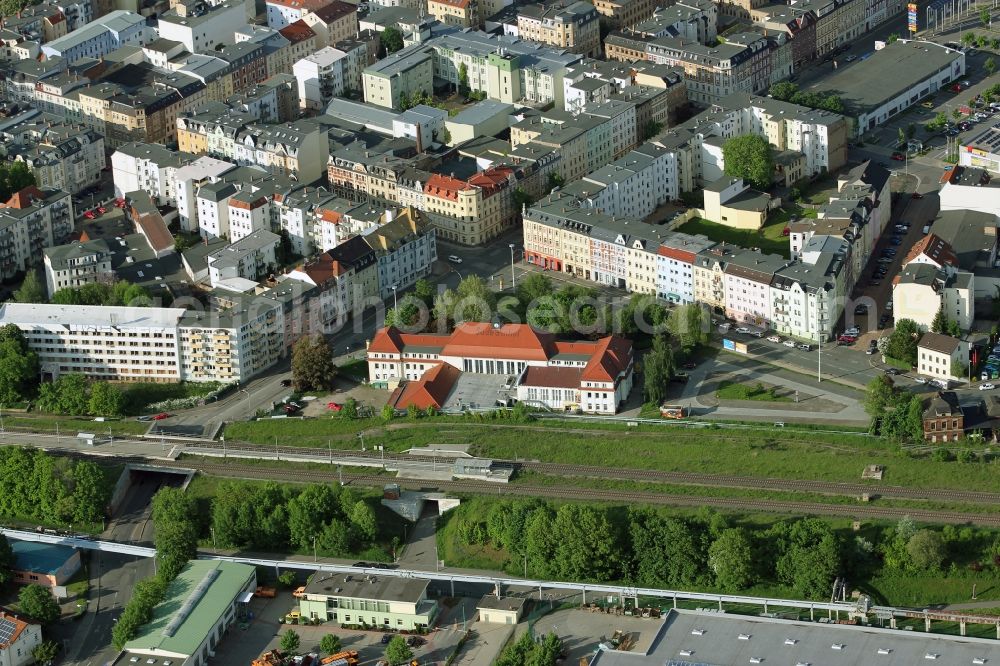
89	215
957	88
120	202
846	339
290	409
161	416
787	231
335	406
899	157
102	210
918	195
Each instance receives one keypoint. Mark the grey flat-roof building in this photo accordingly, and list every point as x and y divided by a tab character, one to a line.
690	638
892	80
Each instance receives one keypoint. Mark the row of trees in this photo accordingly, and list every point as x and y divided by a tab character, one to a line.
49	489
76	395
941	324
118	292
275	517
653	547
18	367
789	92
174	522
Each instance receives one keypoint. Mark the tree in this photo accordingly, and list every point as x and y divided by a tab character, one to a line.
474	300
363	520
398	652
783	90
176	532
309	510
984	17
810	558
312	364
11	8
424	290
730	557
969	38
290	642
330	644
911	130
926	549
18	366
90	492
463	78
31	290
106	400
70	394
14	176
38	602
651	129
903	341
658	367
6	561
392	39
990	66
940	321
995	43
901	136
751	158
555	180
406	316
45	653
533	287
690	324
879	395
893	37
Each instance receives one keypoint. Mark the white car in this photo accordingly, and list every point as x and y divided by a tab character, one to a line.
742	329
789	343
455	259
920	380
853	330
773	338
987	387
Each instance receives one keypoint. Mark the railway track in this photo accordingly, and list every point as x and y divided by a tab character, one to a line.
625	497
676	478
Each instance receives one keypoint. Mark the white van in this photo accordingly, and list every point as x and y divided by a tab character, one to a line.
926	229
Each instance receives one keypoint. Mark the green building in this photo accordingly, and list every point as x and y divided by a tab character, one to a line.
378	601
200	605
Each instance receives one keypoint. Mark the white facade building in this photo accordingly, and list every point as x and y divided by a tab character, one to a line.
250	258
18	640
320	77
32	220
77	264
99	38
146	166
203	27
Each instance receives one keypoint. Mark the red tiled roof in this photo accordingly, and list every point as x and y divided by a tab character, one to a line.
935	248
674	253
334	11
323	268
431	390
552	377
304	5
19	627
235	202
328	215
297	32
445	186
25	197
152	226
510	341
610	359
454	3
492	180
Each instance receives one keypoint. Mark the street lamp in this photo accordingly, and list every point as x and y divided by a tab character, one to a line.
248	400
395	304
513	282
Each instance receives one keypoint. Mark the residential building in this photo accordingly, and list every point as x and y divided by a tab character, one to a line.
472	211
574	26
732	203
676	257
944	418
741	64
911	70
40	23
486	118
748	278
543	367
392	604
333	22
807	297
100	37
202	27
200	605
969	188
921	290
557	236
938	355
281	13
460	13
79	263
17	639
63	155
405	246
406	73
45	564
147	167
622	13
694	20
30	221
250	258
320	77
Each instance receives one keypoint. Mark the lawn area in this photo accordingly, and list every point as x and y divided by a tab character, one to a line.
768	238
756	452
740	391
356	369
70	426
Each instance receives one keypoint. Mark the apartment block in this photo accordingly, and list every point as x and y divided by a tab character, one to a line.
62	155
202	27
250	258
473	211
320	77
405	246
282	13
333	22
77	264
617	14
459	13
676	258
30	221
148	167
574	27
100	37
692	20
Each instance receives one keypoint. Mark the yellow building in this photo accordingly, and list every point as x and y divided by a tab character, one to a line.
575	27
461	13
730	202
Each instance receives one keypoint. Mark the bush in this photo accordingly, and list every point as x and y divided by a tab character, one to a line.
941	455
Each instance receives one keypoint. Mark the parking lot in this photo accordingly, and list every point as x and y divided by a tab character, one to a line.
242	646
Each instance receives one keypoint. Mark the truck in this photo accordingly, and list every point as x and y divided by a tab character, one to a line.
265	592
272	658
299	592
348	657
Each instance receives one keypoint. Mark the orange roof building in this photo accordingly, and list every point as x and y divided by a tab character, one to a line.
429	369
17	639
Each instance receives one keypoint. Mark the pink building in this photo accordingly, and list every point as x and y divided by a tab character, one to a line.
748	286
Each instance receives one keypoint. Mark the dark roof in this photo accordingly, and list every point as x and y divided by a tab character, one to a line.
552	377
944	344
945	403
353	252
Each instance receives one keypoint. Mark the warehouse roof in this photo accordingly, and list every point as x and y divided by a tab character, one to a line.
193	604
44	558
382	588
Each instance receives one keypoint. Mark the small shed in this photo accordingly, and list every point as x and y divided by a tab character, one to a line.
500	610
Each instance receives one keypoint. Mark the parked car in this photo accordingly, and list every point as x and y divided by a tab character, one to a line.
290	408
386	638
987	387
927	105
920	380
860	309
742	329
872	348
803	346
89	215
892	372
853	330
917	195
690	365
899	157
335	406
789	343
455	259
101	210
161	416
286	382
773	338
851	58
415	641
